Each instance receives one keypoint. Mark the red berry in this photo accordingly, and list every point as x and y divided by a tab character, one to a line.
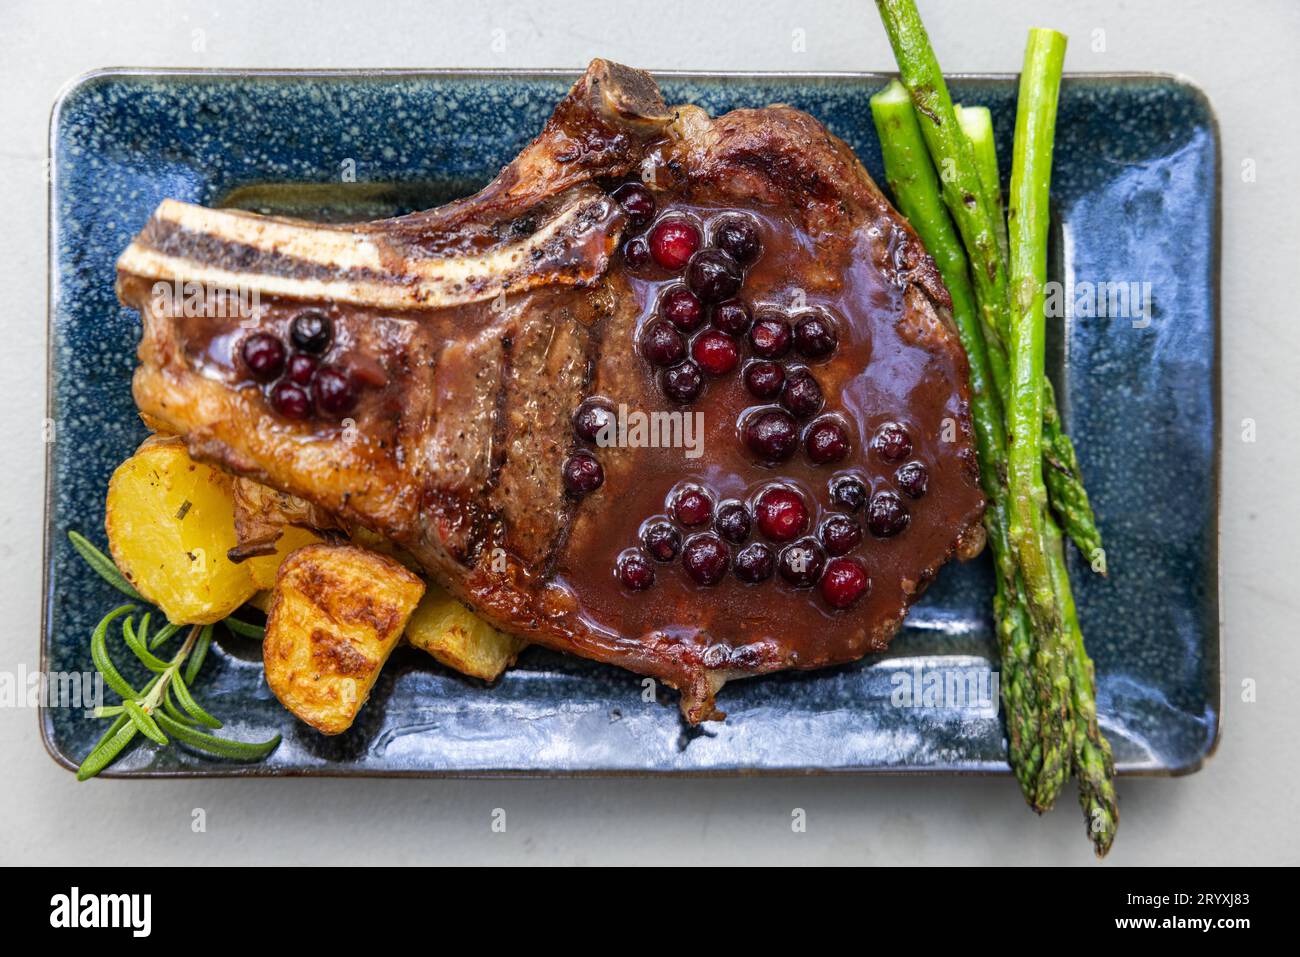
801	563
311	331
892	442
738	237
301	368
848	493
733	522
771	435
661	540
662	344
913	478
290	400
827	441
814	336
840	534
593	417
715	352
770	337
583	474
732	317
692	507
802	395
636	252
264	355
886	515
334	390
706	559
754	563
637	202
764	379
782	514
635	571
673	242
683	382
844	583
682	308
713	275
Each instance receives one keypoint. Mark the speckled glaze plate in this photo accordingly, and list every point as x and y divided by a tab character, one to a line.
1136	194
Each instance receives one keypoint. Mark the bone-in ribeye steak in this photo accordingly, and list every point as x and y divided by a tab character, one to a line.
484	384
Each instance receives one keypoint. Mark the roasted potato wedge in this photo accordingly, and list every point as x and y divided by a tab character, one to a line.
170	524
459	639
337	612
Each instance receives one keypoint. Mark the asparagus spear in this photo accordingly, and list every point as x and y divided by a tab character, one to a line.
1093	764
1031	175
977	123
954	158
1065	489
916	190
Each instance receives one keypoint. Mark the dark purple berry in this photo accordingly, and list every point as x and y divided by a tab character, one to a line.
771	435
311	331
827	441
738	237
661	540
754	563
300	368
662	344
782	514
886	515
583	474
764	379
913	478
840	534
713	275
801	563
682	308
635	570
844	583
636	252
848	493
814	336
715	352
290	400
732	317
706	558
802	395
733	522
334	391
683	382
892	442
637	202
692	507
593	417
264	355
770	337
673	242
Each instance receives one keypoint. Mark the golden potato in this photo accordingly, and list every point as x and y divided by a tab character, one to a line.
263	568
337	612
170	524
459	639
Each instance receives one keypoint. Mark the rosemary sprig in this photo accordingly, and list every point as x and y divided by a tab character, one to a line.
165	705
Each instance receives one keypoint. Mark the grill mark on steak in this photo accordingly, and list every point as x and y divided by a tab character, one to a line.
458	446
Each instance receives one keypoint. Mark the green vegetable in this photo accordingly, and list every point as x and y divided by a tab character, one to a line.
1028	218
153	711
915	187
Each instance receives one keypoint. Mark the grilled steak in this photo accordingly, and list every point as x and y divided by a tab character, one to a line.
677	393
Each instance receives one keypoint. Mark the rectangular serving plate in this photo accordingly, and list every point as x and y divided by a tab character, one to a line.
1136	199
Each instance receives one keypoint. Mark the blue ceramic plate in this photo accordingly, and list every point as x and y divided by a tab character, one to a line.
1136	194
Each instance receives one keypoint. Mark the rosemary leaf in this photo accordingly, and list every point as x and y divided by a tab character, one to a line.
99	653
102	564
190	705
198	654
141	719
165	632
117	737
136	643
221	747
244	629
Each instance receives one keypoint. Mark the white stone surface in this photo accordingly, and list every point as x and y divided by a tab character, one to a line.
1239	809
